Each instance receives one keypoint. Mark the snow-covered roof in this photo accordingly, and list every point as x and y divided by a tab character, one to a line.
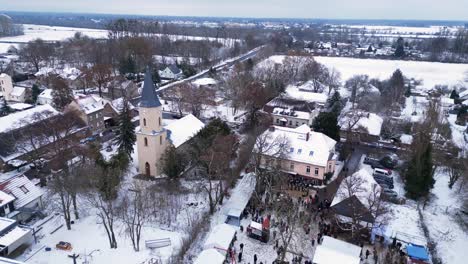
406	139
298	93
362	185
24	118
205	81
371	122
22	189
46	94
184	129
70	73
211	256
316	150
220	237
20	106
445	101
291	113
5	198
333	251
18	91
14	235
117	104
90	103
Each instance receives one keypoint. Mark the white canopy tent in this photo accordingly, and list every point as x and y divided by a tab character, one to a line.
333	251
220	237
210	256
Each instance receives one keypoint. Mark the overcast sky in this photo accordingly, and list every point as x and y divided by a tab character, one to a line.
353	9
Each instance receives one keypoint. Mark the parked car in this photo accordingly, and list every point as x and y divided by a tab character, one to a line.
388	162
383	172
374	163
384	184
384	179
389	193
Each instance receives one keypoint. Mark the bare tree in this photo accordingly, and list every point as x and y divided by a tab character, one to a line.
189	98
358	85
364	205
217	162
99	74
135	212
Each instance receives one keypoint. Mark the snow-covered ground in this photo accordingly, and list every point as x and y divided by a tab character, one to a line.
431	73
439	217
48	33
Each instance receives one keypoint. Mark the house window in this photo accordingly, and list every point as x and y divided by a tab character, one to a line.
311	153
160	140
24	189
159	120
291	150
146	142
297	123
144	121
308	169
290	122
277	120
299	151
10	193
316	171
291	166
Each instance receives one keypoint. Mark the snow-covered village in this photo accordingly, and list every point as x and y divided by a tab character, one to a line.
233	132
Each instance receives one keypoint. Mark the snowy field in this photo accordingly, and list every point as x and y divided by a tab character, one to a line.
48	33
431	73
52	33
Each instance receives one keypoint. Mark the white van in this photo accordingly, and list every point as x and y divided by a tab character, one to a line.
382	172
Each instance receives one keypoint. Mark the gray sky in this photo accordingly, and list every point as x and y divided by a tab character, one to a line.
359	9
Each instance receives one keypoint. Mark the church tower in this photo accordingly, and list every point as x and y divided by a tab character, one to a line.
151	137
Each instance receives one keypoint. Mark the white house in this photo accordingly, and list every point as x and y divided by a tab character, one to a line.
45	97
12	236
18	94
27	197
171	72
6	85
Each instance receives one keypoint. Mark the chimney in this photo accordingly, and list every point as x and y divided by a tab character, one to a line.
307	136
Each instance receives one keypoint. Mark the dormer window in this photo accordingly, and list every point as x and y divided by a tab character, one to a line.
311	153
24	189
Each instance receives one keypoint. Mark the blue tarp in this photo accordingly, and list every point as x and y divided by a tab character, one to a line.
417	252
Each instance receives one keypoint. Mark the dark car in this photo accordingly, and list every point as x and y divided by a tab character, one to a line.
384	184
374	163
391	196
388	162
383	178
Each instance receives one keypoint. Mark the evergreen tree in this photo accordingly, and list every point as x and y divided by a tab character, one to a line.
5	109
62	94
127	65
400	48
173	163
454	95
327	123
126	136
334	103
155	75
419	174
35	92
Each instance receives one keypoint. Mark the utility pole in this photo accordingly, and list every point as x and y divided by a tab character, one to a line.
74	257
